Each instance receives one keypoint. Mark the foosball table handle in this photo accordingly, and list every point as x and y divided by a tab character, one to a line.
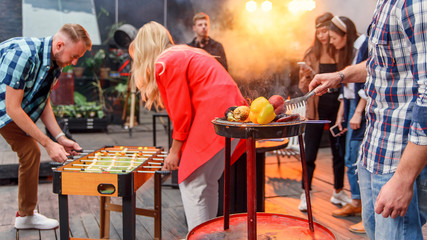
164	172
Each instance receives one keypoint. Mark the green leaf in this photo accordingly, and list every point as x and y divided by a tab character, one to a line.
79	99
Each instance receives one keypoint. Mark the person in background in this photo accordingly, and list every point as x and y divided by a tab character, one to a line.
392	161
29	68
321	58
194	89
352	48
201	26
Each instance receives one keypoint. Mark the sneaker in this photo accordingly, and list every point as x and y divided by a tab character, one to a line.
340	198
303	203
35	221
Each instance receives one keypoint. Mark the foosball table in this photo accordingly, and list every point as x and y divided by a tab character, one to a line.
111	171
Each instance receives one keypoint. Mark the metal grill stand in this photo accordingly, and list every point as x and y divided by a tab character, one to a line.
252	133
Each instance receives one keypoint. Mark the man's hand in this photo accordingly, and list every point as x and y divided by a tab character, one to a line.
394	197
70	146
59	151
324	81
353	73
56	152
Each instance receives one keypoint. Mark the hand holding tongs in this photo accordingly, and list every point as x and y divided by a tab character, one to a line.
299	101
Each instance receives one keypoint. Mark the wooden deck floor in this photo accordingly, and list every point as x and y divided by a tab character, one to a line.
282	196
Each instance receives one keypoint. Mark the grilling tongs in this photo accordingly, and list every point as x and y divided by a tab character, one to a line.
299	101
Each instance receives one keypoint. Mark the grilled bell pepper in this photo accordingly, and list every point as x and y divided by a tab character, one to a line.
262	111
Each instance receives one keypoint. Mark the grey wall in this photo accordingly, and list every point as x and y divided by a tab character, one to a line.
10	19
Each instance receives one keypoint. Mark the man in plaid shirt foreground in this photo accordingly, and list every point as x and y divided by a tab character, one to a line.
393	156
28	69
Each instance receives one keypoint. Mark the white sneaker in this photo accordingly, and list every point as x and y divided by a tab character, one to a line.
35	221
303	203
340	198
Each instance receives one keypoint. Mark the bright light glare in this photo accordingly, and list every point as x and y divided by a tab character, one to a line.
251	6
266	6
299	6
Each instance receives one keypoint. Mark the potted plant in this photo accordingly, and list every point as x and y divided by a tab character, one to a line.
83	115
93	65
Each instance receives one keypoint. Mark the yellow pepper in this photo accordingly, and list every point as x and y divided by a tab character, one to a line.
262	111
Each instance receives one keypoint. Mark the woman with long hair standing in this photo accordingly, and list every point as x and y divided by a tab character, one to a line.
194	88
321	58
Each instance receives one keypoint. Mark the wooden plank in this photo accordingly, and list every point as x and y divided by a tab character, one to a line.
145	227
77	206
28	235
50	234
7	232
176	224
9	205
90	224
76	227
145	199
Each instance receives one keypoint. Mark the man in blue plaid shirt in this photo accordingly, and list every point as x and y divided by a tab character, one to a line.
393	156
29	68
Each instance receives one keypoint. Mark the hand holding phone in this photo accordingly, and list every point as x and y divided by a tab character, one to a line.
335	131
305	66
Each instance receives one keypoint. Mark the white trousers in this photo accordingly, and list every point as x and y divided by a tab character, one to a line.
199	192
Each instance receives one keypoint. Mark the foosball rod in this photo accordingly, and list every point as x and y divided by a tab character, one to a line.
106	157
127	155
107	161
102	170
84	151
112	165
124	155
74	156
96	170
119	156
160	172
100	166
121	151
132	151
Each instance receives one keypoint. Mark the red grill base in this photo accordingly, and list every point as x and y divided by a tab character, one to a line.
269	226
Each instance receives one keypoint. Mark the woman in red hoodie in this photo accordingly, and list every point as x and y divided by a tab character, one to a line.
194	89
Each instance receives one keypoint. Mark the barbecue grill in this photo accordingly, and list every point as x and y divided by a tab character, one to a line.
252	132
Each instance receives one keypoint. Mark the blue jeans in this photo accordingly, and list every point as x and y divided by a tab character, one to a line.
352	107
400	228
351	154
353	179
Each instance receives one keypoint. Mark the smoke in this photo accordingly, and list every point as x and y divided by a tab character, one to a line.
260	42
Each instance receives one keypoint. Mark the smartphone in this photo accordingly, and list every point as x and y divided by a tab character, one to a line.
335	130
305	65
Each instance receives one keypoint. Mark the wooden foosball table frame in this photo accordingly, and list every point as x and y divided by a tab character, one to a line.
125	186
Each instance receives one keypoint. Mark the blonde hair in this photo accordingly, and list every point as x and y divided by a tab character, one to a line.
152	39
75	33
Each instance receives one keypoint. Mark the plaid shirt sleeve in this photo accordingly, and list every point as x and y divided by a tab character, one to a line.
16	67
414	24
